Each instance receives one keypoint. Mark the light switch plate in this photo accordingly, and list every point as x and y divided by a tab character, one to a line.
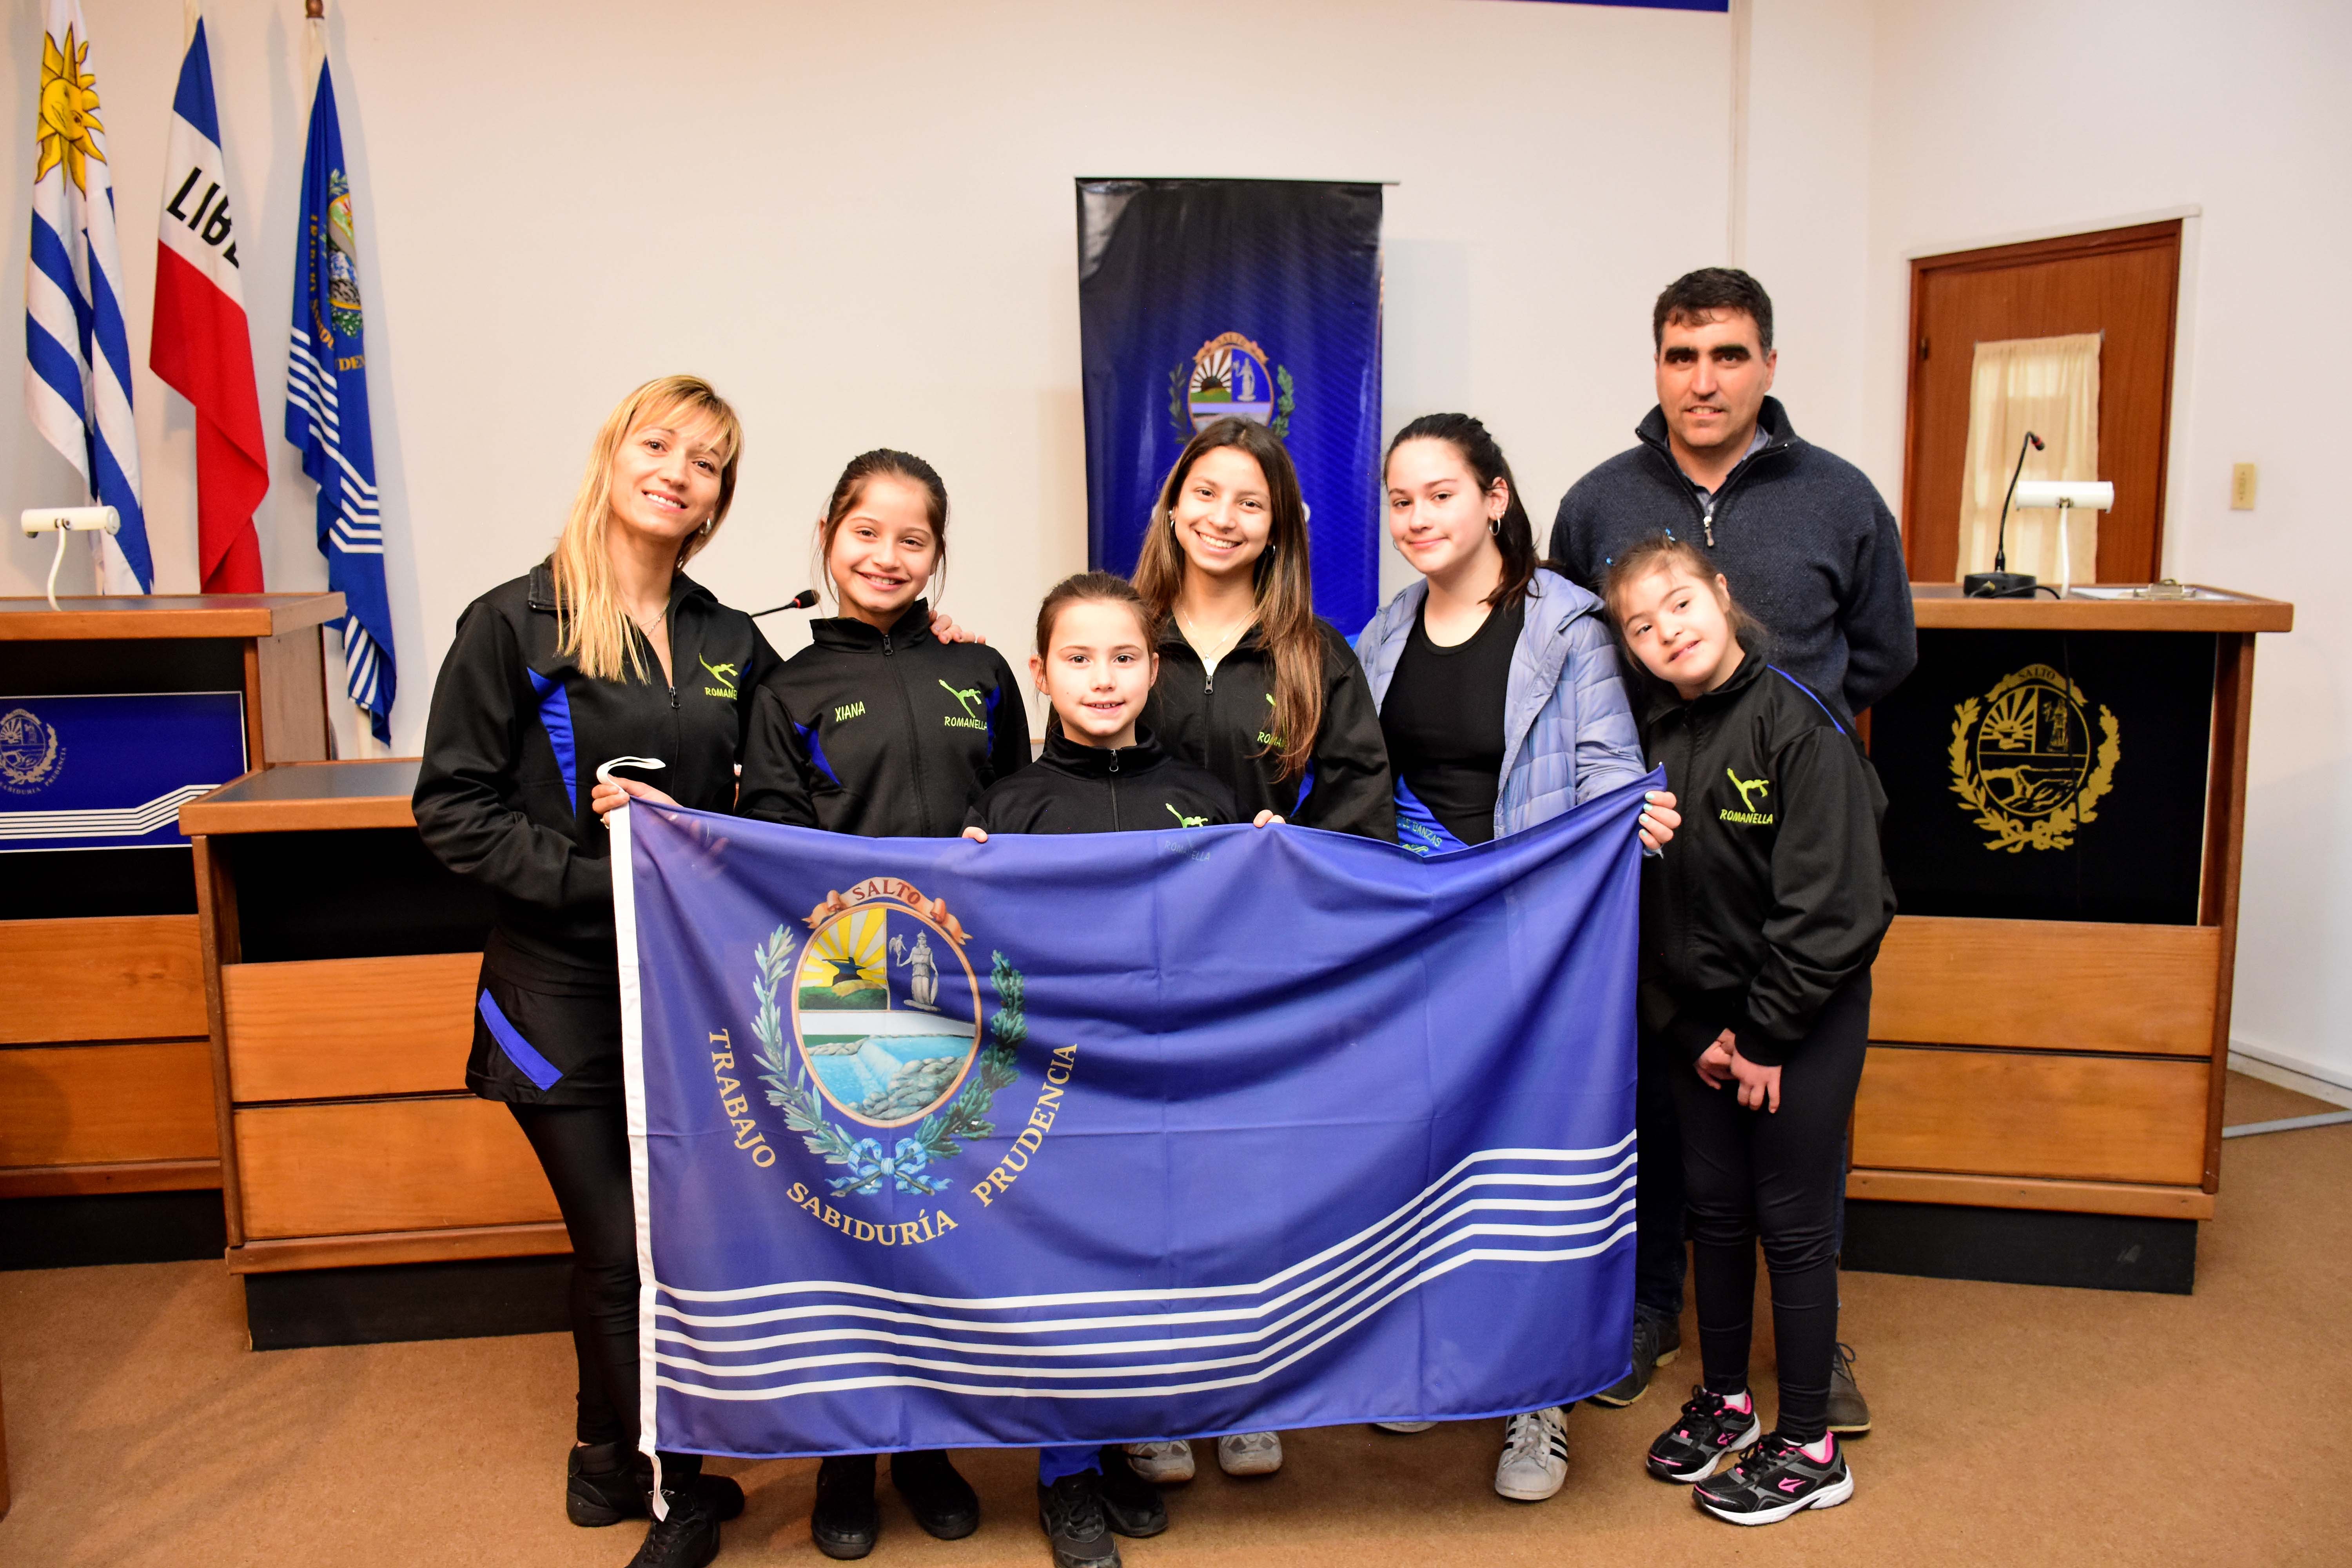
2242	487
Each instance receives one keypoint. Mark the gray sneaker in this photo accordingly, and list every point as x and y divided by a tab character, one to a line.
1849	1411
1656	1343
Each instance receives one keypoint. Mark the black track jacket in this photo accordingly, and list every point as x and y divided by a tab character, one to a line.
510	756
1773	890
885	734
1225	724
1091	789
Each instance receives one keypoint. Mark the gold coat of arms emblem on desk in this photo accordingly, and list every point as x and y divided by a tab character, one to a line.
2022	759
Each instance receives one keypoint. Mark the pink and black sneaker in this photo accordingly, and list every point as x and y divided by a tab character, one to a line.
1712	1429
1777	1478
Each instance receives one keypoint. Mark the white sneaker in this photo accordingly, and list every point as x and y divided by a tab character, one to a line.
1534	1455
1407	1428
1162	1464
1249	1453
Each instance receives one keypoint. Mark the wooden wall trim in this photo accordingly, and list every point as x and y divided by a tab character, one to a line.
400	1247
122	1176
2027	1193
2225	843
2069	985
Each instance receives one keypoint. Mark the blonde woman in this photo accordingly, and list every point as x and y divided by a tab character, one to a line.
604	649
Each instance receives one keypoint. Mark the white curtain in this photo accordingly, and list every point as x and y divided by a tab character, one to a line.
2050	386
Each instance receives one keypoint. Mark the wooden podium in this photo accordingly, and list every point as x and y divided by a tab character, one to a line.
2066	783
340	961
105	1066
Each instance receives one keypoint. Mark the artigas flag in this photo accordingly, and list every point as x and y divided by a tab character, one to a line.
201	346
76	354
1122	1136
1199	299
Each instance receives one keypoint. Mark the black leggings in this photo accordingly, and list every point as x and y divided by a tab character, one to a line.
1777	1176
585	1150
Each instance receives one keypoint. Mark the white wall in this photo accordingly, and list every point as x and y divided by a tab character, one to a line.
858	221
2002	117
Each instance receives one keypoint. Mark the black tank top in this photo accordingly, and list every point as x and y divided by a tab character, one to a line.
1442	719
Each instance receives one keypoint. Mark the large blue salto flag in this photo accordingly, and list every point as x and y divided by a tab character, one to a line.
1123	1136
1199	299
327	409
77	355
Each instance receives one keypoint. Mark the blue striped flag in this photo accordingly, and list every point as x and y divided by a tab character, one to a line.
77	355
326	410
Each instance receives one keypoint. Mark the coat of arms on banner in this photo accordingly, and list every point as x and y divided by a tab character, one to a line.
871	1038
2023	759
1231	377
30	752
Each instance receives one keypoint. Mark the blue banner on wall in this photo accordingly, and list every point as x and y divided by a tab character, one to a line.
112	772
1123	1136
1199	299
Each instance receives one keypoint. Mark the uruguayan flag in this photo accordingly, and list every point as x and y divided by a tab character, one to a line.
76	357
1122	1136
327	409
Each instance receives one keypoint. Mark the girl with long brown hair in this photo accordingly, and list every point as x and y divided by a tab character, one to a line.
605	649
1253	685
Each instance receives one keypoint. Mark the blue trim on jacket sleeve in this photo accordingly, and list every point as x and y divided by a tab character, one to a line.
1418	829
807	733
555	716
995	694
1808	691
528	1062
1306	787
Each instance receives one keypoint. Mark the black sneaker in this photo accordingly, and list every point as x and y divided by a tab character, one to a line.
1130	1502
689	1538
1656	1343
1774	1480
1707	1433
1071	1512
601	1487
845	1521
942	1501
1849	1411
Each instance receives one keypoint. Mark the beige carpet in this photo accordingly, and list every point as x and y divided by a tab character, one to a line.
2016	1425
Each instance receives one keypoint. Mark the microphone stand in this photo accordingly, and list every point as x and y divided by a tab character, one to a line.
2001	583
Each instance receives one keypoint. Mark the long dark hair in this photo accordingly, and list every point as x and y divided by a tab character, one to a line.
1663	552
1514	536
1285	594
849	489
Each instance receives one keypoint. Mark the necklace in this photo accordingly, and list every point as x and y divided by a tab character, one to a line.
1232	634
647	626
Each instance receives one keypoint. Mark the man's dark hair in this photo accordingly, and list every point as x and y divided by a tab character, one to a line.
1694	296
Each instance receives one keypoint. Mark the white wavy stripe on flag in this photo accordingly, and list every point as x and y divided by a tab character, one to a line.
303	396
1341	1287
1436	1191
299	356
360	661
119	822
57	422
1157	1391
1313	1296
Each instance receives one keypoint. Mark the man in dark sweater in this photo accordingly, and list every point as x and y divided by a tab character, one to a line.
1810	550
1800	534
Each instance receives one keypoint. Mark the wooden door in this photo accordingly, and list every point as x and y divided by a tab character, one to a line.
2124	282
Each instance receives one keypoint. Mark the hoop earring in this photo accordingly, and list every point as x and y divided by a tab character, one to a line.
706	525
1494	526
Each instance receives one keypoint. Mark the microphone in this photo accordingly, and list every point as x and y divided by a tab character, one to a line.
800	601
2001	583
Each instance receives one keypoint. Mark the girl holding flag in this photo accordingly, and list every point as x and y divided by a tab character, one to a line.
1500	699
882	728
606	650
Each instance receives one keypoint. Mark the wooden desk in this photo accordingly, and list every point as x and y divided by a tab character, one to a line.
104	1069
341	962
2070	1056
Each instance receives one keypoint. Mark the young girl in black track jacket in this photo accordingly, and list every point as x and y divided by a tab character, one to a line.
1103	772
878	728
606	650
1758	928
1253	685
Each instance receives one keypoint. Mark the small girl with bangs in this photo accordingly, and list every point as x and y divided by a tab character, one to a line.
1101	772
1757	935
